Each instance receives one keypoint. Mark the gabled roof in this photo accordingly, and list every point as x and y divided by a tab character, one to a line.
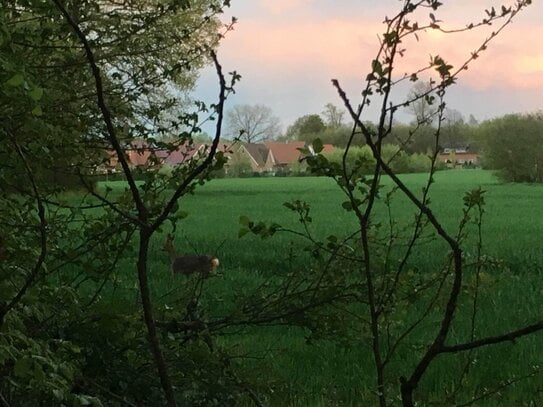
259	152
182	154
286	153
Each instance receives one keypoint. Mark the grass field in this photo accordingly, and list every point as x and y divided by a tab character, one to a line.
325	373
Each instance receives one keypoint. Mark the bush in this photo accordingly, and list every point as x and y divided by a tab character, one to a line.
239	168
399	161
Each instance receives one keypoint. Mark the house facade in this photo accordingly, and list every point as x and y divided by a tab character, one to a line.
261	157
458	157
271	157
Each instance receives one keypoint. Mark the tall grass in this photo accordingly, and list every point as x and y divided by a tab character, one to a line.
325	373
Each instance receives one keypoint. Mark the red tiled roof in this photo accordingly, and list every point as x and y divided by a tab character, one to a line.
285	153
182	154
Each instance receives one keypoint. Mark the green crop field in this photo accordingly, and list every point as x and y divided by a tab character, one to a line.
326	372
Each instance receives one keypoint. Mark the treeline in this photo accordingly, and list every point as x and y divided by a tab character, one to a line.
360	159
512	145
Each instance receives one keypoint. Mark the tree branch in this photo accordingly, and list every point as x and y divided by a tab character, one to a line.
43	237
111	133
493	340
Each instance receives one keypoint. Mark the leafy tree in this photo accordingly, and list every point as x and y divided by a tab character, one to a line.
414	138
306	128
78	83
252	123
513	145
114	70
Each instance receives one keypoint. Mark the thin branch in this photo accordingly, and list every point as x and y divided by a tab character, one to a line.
493	340
106	113
181	189
43	236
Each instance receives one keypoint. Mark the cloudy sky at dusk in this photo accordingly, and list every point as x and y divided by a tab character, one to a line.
288	50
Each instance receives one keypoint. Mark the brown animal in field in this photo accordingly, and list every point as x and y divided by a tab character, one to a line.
202	264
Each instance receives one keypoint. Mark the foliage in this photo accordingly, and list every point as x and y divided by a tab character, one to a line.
399	161
78	83
239	166
87	317
377	256
513	146
305	128
298	168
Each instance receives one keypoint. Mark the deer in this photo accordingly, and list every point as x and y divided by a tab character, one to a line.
205	265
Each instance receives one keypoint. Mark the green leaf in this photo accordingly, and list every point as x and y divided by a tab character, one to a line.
23	367
37	111
84	401
244	220
36	93
16	80
181	214
377	67
242	232
59	394
347	206
317	145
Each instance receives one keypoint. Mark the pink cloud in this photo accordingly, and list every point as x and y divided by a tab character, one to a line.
344	48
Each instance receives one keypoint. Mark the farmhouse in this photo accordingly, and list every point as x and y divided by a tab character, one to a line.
271	157
258	156
458	157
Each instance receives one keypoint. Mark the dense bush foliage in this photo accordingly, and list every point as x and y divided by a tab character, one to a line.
513	145
400	161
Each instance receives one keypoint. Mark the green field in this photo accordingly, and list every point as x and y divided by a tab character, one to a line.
326	372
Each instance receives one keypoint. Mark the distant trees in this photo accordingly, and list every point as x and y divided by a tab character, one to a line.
513	145
361	159
329	127
421	100
306	128
252	123
333	115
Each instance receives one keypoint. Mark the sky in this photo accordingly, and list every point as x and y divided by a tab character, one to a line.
287	52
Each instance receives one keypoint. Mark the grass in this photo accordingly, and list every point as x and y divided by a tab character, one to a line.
326	373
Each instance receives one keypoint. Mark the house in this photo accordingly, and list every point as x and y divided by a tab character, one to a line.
271	157
257	155
182	154
458	157
141	154
262	157
284	154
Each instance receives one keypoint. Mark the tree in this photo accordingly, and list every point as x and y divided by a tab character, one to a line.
382	284
513	145
78	83
306	128
252	123
420	101
455	132
377	253
333	116
61	343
